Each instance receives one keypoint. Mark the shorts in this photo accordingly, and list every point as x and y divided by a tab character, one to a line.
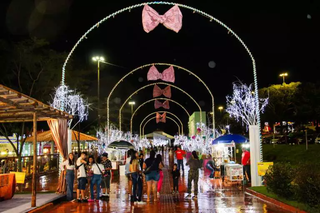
105	182
153	175
82	183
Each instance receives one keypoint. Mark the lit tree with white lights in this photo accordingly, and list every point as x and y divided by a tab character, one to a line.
73	103
242	106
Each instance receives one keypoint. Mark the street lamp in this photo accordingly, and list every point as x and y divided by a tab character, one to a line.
132	103
220	108
284	75
98	59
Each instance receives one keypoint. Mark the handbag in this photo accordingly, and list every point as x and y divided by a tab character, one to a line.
147	170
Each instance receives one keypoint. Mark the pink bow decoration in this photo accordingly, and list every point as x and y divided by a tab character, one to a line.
161	118
158	104
157	91
172	19
166	75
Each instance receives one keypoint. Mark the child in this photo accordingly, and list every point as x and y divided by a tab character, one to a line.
175	176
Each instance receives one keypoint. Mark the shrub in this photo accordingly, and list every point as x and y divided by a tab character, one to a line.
279	180
308	184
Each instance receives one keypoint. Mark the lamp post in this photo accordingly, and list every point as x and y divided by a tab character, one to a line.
132	103
284	75
98	59
220	108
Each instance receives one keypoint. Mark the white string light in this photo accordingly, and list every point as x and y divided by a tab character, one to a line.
241	105
73	103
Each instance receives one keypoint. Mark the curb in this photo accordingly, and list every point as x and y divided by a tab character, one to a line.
45	207
274	201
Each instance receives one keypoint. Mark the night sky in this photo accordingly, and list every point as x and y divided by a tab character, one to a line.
281	36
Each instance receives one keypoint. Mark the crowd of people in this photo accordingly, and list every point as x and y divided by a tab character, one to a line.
91	172
95	172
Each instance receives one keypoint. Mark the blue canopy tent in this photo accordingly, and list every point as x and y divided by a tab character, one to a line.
229	139
224	146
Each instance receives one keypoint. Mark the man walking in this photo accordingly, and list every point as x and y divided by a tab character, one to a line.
179	154
245	161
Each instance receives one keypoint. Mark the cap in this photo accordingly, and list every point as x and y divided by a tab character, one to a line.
105	154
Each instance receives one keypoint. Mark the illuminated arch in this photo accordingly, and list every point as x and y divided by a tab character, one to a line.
155	118
152	84
181	124
206	15
144	103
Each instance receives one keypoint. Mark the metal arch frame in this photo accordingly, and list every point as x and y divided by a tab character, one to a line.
148	101
162	112
163	64
206	15
148	85
155	118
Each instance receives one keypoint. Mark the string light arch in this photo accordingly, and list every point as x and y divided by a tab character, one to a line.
181	124
152	84
154	99
155	118
195	10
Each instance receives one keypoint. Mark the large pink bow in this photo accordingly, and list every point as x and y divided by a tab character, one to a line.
172	19
157	91
166	75
161	118
158	104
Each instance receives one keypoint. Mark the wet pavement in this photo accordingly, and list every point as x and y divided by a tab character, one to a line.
214	196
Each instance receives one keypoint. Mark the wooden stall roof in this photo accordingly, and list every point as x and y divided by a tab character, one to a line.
18	107
47	136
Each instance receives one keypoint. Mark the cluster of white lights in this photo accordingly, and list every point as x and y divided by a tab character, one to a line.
71	102
200	142
242	105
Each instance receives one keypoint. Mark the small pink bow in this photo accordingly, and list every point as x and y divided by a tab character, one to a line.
157	91
161	118
166	75
158	104
172	19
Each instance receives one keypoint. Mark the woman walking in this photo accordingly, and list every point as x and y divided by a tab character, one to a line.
195	164
159	158
70	166
98	170
151	166
136	179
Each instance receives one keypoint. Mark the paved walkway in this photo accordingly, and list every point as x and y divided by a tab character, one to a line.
22	202
213	197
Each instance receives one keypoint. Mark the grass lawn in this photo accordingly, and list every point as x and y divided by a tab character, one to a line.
263	190
293	154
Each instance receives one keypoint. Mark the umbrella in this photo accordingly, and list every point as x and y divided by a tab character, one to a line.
121	145
230	138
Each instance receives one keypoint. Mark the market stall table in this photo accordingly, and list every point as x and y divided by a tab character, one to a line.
233	172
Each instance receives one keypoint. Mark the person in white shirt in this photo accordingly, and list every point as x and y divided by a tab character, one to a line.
69	166
82	178
98	171
127	170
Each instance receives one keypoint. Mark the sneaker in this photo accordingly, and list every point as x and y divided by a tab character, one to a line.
106	194
195	197
84	201
90	200
188	196
78	201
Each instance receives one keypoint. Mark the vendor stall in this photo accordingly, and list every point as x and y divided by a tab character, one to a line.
224	147
233	172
